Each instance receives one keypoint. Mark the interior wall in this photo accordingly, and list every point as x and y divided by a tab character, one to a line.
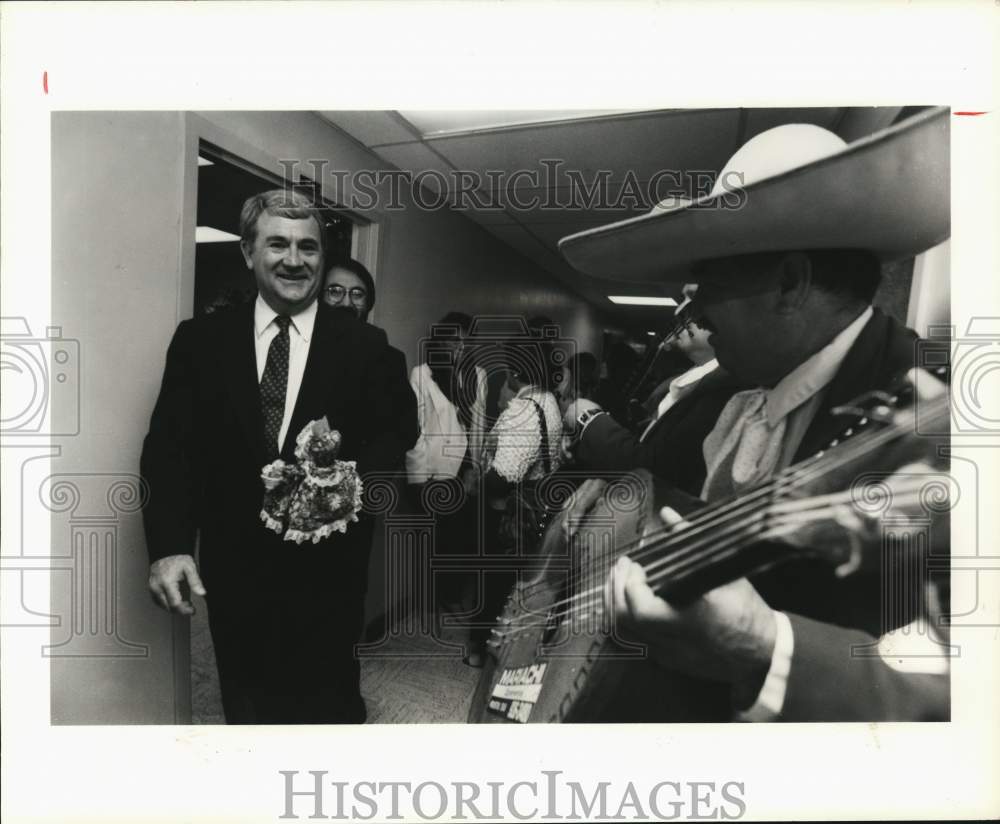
116	198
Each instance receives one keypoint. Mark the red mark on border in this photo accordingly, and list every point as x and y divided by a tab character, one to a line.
970	114
45	82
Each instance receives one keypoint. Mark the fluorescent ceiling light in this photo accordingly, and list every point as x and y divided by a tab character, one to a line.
435	123
641	300
204	161
206	234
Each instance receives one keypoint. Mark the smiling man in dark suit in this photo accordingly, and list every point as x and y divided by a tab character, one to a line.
238	387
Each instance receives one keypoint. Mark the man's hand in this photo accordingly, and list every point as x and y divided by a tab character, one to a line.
726	635
575	409
165	577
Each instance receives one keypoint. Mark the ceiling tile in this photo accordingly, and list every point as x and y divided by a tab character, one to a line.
429	122
643	144
371	128
422	163
551	233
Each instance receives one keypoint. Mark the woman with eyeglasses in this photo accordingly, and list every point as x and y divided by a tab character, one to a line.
443	467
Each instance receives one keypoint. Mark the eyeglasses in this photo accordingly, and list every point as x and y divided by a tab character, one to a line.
336	293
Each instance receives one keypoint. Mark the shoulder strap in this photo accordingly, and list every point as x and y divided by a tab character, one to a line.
544	449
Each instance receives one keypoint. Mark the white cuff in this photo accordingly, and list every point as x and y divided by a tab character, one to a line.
771	697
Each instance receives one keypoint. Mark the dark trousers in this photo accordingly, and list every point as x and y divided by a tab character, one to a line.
284	635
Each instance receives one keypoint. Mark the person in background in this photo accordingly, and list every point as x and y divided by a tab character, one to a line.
579	379
349	285
620	362
451	411
522	448
669	443
692	342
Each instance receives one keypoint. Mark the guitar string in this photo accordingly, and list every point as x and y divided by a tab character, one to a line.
690	556
823	507
797	473
706	517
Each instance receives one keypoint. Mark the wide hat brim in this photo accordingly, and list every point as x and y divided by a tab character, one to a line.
888	193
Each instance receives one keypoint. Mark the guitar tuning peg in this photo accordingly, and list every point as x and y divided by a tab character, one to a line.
848	432
863	421
882	412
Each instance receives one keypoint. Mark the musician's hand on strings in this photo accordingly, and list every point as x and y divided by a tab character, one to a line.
726	635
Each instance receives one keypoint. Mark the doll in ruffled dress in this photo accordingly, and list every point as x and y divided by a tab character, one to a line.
316	496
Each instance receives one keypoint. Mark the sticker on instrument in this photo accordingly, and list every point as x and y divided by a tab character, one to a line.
516	692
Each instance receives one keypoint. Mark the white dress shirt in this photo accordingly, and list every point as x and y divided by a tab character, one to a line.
299	334
680	386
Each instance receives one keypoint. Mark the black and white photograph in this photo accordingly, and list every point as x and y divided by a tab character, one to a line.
495	460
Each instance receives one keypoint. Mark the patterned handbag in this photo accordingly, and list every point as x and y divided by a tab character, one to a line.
524	516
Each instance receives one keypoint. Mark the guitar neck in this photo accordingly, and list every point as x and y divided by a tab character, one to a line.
713	551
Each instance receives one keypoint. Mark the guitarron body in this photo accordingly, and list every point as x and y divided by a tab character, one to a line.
556	656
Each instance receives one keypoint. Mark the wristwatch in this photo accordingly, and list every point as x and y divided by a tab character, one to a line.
586	417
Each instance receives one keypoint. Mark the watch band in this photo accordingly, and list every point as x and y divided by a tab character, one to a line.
586	417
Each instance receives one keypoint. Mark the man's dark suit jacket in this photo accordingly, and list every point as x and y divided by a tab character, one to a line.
672	450
284	617
826	682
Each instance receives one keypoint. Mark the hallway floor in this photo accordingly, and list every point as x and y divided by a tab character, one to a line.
410	677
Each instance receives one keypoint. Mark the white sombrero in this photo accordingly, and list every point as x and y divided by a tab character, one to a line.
802	187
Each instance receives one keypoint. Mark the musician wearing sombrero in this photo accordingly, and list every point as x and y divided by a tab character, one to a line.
785	285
